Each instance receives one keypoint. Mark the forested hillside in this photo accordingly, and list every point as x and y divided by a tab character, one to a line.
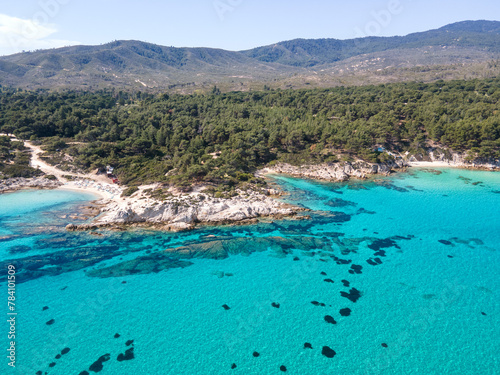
480	35
224	137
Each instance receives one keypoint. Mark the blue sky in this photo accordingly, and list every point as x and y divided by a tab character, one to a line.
228	24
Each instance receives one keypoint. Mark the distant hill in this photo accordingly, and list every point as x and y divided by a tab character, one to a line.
469	48
482	35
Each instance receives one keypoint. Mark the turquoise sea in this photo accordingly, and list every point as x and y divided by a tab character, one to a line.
395	275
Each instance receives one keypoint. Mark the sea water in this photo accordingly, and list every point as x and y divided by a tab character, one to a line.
427	243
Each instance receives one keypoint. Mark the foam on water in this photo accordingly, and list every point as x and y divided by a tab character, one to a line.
425	300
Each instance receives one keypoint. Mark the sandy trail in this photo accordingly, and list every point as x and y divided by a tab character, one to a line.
37	162
97	184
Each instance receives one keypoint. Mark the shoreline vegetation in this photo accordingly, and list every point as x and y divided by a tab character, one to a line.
185	160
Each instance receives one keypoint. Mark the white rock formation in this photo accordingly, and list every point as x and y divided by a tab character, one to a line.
181	212
13	184
335	171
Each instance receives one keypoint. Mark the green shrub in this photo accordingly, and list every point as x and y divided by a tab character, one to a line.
129	191
15	170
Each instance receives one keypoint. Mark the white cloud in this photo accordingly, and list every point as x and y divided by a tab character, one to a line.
17	34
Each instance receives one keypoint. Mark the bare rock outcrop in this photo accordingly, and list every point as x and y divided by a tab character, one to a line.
184	211
13	184
341	171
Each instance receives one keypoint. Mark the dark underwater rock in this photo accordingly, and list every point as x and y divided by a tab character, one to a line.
391	186
337	202
342	261
445	242
345	312
65	351
329	319
307	346
353	294
97	366
328	352
326	217
19	249
60	262
226	307
152	263
223	247
50	322
129	355
365	211
355	269
374	261
382	244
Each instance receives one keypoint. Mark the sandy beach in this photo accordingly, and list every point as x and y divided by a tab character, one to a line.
430	164
101	191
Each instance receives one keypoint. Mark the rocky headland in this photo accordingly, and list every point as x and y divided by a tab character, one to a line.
184	211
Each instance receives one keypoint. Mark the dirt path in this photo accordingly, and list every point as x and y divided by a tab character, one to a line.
93	183
37	162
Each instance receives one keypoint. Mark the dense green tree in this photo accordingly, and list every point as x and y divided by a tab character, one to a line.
222	136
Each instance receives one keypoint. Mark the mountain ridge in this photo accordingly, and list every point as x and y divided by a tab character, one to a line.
132	64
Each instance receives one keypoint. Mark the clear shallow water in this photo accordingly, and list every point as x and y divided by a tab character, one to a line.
425	300
28	218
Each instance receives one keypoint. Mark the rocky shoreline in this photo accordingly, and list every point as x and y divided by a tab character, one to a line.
184	211
11	185
336	172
